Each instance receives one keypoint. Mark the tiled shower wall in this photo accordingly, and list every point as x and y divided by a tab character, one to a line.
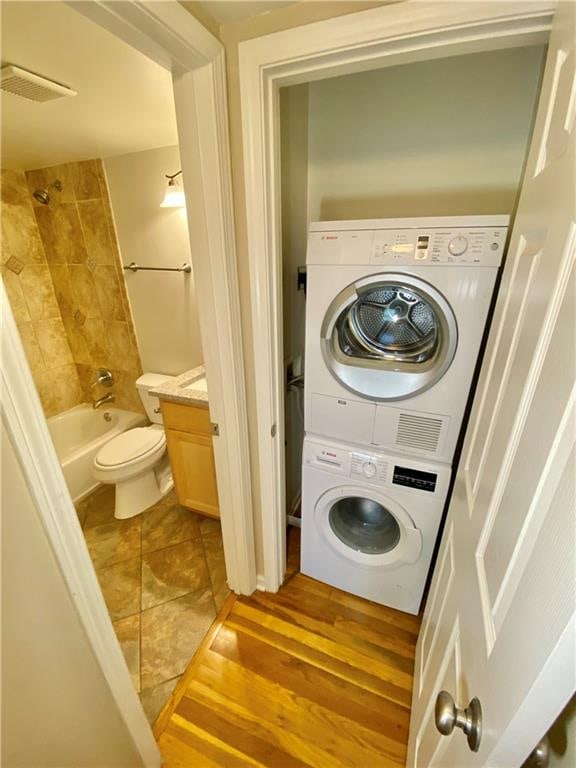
62	271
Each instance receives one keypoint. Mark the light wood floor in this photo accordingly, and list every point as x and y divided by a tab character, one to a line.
310	676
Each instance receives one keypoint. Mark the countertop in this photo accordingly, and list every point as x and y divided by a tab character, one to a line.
174	390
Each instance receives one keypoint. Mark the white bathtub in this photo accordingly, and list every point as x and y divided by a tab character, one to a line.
78	435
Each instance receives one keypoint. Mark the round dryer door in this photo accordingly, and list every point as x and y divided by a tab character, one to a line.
368	528
389	336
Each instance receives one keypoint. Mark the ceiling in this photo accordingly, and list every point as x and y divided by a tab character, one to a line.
124	103
237	10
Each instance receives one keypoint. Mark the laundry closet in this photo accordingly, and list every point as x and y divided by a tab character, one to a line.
445	138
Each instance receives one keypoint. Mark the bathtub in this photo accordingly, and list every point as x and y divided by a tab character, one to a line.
78	435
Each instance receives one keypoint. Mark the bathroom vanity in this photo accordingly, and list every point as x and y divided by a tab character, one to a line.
184	406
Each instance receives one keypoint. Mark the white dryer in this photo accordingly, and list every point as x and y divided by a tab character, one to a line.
395	314
370	521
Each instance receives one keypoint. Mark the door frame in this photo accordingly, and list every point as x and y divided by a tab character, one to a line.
169	35
166	33
395	34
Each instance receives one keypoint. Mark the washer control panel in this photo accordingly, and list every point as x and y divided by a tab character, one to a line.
368	467
372	468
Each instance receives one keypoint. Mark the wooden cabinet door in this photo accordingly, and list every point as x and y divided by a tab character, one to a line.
193	469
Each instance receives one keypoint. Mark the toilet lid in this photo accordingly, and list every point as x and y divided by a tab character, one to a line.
130	445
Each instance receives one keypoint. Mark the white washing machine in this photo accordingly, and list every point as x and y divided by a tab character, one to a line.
395	314
370	521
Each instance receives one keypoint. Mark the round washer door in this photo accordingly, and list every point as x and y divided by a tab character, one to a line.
367	527
389	336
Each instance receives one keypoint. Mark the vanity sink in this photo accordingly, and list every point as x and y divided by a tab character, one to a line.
198	384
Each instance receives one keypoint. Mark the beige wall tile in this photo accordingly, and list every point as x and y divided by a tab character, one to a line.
125	388
77	340
41	178
53	342
87	179
66	285
83	290
95	334
36	283
108	292
20	236
62	288
61	233
86	376
66	388
47	395
15	295
14	189
96	232
122	352
32	349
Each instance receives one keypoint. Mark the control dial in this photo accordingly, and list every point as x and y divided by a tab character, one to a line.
369	468
458	245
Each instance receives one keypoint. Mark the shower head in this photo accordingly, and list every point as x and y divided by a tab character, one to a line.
42	196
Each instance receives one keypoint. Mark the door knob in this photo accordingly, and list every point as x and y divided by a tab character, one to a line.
448	717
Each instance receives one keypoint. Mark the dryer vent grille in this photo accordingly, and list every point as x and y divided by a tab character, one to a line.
29	86
420	432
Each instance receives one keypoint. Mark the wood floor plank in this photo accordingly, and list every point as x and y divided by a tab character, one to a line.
284	658
328	730
181	750
308	677
189	735
393	668
351	608
400	619
349	627
242	736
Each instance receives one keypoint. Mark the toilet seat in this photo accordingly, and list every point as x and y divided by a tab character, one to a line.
132	447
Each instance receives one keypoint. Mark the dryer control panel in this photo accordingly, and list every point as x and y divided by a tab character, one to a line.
463	240
477	246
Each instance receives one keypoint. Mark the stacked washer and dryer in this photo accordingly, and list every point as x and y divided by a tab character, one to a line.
396	312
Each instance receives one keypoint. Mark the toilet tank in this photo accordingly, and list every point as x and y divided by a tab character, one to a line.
151	403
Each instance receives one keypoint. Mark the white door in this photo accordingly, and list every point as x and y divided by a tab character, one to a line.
502	598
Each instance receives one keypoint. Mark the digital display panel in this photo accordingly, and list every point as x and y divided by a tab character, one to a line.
415	478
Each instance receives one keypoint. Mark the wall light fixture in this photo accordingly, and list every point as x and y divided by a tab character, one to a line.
174	195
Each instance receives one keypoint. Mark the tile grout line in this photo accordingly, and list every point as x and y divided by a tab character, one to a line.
200	537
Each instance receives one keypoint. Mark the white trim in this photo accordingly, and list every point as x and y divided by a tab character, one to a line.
164	32
202	127
33	446
398	33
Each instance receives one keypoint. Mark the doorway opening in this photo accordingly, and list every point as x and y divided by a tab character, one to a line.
436	138
82	201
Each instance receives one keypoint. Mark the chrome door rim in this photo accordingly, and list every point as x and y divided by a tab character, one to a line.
406	550
388	378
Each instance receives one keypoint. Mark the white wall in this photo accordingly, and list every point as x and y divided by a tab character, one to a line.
57	708
444	137
294	150
163	303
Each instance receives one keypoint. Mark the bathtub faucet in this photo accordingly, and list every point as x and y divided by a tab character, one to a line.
109	398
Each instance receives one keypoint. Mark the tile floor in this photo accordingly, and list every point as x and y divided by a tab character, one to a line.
163	578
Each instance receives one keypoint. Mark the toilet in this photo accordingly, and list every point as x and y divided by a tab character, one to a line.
136	461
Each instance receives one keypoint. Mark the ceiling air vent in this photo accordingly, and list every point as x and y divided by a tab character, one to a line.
420	432
30	86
